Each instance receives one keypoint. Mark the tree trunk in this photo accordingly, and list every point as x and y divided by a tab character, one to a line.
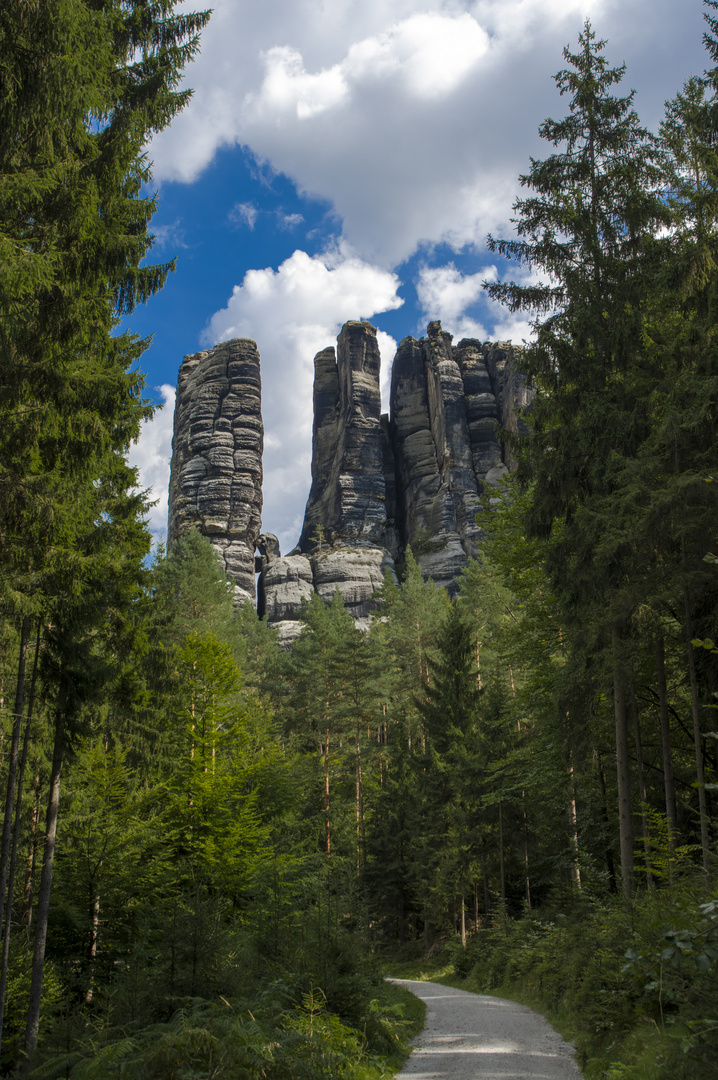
485	879
526	850
463	923
43	908
327	833
12	765
573	828
28	892
400	918
501	857
92	947
525	830
610	865
700	775
669	785
650	881
360	804
623	777
16	838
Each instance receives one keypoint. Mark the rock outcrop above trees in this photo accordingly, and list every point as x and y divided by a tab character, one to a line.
379	483
216	471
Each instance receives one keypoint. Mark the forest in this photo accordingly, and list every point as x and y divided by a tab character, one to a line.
212	849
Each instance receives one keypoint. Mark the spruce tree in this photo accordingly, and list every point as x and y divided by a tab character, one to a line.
83	87
595	206
589	226
452	785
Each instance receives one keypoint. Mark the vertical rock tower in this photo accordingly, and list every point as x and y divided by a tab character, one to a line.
379	483
343	543
446	404
347	500
216	471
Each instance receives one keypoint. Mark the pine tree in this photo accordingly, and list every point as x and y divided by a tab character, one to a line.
412	612
315	711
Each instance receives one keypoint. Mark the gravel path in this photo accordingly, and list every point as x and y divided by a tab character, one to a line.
476	1037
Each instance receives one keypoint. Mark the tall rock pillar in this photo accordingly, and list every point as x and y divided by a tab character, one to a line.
447	403
348	495
347	536
437	485
216	472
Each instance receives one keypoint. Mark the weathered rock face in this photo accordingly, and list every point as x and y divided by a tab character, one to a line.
346	533
356	574
347	500
512	390
216	472
284	584
446	402
379	484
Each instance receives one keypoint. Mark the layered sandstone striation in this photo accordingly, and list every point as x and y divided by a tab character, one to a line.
379	483
344	538
216	471
347	500
447	405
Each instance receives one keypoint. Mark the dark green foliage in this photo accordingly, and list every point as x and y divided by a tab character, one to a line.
450	709
286	1034
635	991
190	879
587	226
243	829
82	89
394	872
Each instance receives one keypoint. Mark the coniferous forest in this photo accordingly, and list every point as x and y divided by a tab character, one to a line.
212	849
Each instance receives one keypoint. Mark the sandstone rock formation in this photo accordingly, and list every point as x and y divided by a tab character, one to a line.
379	483
344	538
216	471
283	586
347	500
446	403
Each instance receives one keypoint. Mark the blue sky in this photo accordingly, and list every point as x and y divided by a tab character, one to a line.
346	159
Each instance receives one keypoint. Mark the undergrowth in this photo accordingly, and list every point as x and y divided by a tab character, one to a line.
635	989
286	1033
348	1024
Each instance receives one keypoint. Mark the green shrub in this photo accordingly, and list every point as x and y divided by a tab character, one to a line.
637	987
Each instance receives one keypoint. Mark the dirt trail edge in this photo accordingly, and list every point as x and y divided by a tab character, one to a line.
477	1037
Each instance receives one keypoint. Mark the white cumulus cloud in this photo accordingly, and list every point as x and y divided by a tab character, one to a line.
413	118
290	90
292	313
289	221
446	294
151	454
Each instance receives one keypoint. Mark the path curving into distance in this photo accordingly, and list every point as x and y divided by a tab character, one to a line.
477	1037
